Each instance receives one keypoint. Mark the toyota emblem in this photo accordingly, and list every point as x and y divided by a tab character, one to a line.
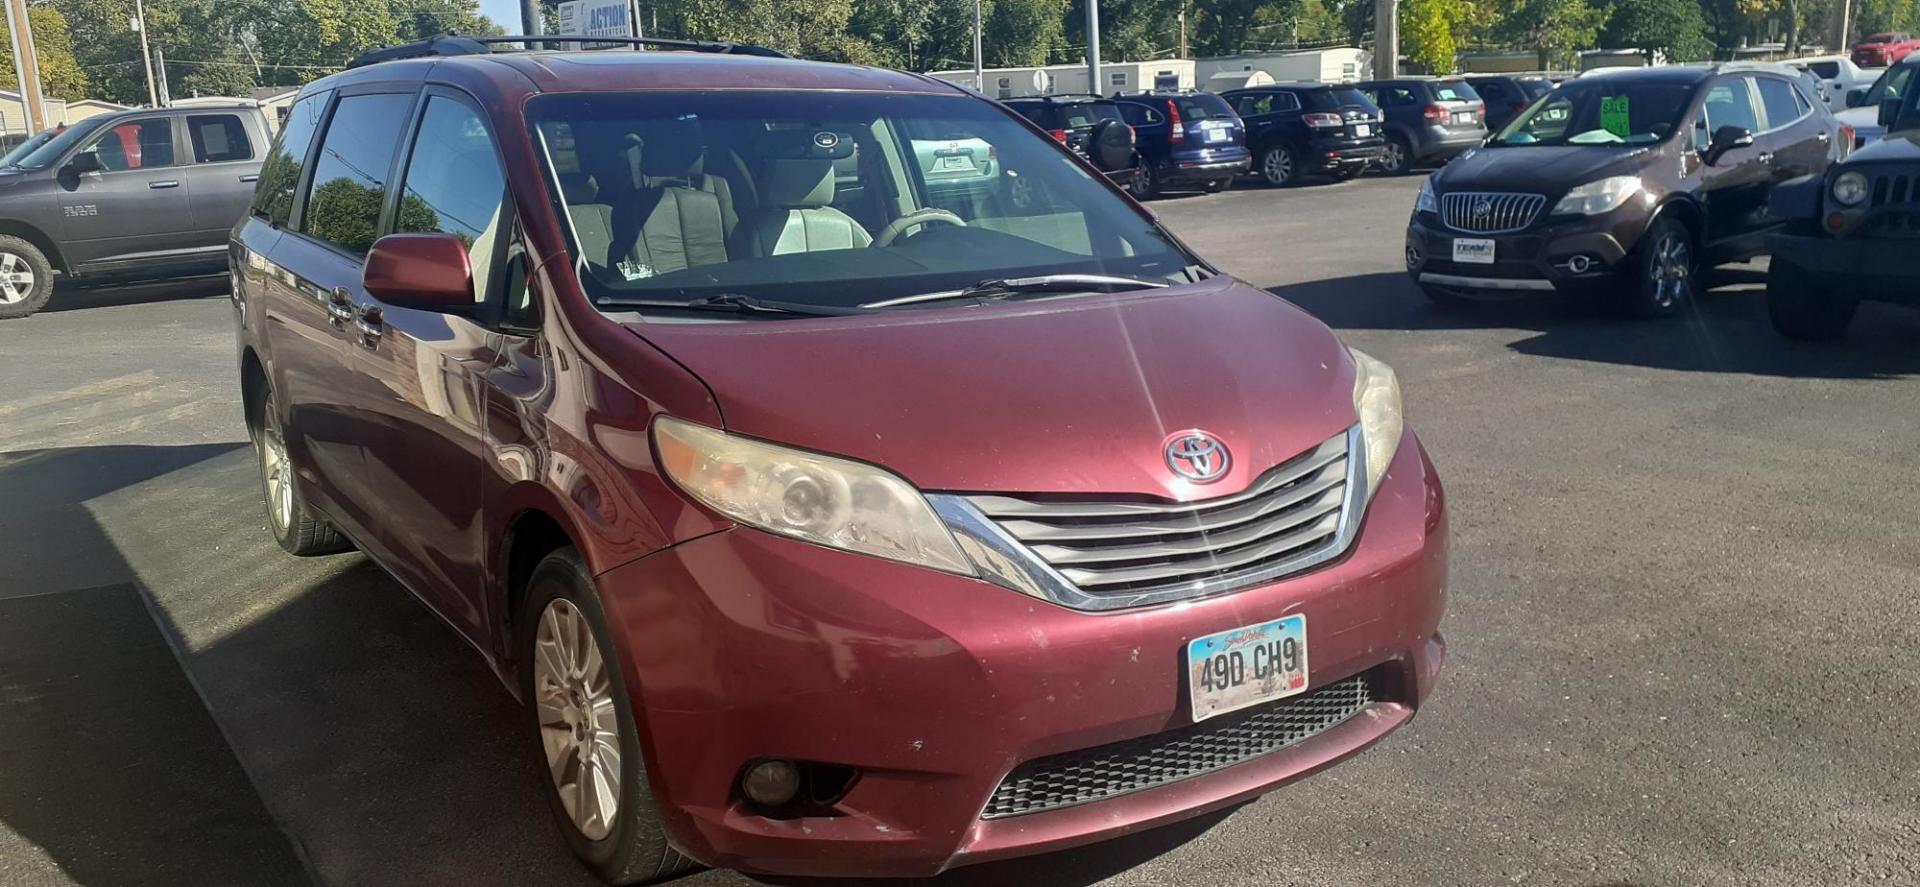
1198	456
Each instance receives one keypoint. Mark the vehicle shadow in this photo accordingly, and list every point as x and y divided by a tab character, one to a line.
1725	331
76	296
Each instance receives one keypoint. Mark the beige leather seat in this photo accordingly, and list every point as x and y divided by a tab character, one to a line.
797	214
678	217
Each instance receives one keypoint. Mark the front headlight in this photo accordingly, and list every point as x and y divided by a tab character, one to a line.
833	502
1425	202
1376	399
1850	188
1594	198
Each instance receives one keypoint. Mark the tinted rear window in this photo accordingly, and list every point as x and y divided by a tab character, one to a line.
1826	70
1454	91
1536	88
1334	99
1202	106
1088	113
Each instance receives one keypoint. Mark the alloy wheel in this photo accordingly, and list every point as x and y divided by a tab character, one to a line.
1670	269
1393	158
277	471
16	279
579	730
1277	166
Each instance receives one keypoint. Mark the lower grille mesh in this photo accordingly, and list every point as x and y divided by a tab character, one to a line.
1105	771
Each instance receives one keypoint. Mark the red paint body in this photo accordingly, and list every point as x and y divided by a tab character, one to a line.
1881	50
739	644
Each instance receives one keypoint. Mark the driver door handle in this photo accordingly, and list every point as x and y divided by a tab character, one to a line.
339	307
1825	137
1765	157
164	183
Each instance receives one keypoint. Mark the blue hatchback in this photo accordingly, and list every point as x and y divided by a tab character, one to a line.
1185	138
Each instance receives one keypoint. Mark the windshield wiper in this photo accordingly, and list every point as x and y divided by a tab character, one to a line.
1004	288
737	303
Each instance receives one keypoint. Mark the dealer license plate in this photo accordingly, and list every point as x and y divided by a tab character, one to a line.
1462	118
1247	666
1363	129
1473	251
1216	135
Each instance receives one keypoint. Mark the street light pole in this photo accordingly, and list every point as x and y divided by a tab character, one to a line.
1093	46
979	78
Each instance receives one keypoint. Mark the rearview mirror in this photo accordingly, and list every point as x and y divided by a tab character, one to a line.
1889	112
82	163
1856	98
1725	139
425	272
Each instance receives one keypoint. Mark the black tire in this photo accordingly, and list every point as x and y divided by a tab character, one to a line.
1215	186
1660	281
1803	308
18	297
298	530
1280	166
1396	159
1146	183
636	849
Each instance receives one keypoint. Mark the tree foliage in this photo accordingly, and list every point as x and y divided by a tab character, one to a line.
1674	27
1554	29
1426	33
60	73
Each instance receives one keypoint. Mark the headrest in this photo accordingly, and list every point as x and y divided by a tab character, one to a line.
673	149
796	183
578	187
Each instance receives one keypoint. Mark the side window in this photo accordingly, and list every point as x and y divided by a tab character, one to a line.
1139	115
349	175
280	173
454	185
218	138
1729	103
136	144
1286	101
1250	105
1777	96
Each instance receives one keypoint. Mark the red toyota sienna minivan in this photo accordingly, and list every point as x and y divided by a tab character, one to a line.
849	479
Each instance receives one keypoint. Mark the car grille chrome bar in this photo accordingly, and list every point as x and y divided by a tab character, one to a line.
1101	554
1132	765
1490	212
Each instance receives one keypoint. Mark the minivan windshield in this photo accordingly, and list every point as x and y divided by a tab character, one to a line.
832	199
50	151
1600	112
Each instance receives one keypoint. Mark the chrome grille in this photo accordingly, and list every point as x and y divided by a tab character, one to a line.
1137	548
1489	212
1105	771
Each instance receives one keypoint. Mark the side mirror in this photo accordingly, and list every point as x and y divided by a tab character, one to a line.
425	272
1889	112
1725	139
1856	98
82	163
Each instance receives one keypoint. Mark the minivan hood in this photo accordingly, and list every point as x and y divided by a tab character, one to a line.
1549	170
1069	395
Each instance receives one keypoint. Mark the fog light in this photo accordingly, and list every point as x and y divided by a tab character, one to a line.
1413	257
1579	264
1836	223
771	783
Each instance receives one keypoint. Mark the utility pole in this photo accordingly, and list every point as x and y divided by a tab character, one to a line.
1842	24
531	23
1093	47
1183	29
27	63
160	63
1386	39
979	76
146	59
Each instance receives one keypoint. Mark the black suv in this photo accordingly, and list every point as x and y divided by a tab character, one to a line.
1308	129
1506	97
1624	184
1185	138
1092	126
1850	233
1429	121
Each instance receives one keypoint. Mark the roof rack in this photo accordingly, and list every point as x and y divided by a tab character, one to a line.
451	44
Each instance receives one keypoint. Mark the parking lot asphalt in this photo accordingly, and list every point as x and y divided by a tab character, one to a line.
1684	605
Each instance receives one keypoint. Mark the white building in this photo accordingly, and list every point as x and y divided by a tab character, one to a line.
1342	64
1008	83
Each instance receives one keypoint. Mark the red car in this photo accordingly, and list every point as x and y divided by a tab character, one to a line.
1881	50
827	523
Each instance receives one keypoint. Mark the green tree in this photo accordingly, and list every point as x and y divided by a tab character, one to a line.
60	73
1028	32
1675	27
1426	34
1555	29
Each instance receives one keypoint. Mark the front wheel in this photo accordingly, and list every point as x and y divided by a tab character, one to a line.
582	717
26	278
1803	308
1663	277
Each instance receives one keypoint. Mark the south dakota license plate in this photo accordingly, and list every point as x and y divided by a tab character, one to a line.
1247	666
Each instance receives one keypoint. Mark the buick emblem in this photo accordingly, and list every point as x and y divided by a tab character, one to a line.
1198	456
1483	209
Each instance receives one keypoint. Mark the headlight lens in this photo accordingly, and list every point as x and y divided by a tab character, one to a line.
819	499
1425	202
1849	189
1594	198
1376	399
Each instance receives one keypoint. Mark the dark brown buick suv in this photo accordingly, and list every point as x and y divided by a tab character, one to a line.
1623	183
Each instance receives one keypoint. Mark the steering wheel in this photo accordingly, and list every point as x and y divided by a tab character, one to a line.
915	219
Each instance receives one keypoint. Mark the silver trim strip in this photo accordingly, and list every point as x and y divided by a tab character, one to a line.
1005	561
1507	211
1485	283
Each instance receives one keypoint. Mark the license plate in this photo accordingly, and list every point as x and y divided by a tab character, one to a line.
1473	251
1247	666
1363	129
954	163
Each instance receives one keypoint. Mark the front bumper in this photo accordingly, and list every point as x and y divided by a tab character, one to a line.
1542	258
745	645
1880	270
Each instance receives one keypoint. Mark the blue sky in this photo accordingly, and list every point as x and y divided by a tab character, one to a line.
505	13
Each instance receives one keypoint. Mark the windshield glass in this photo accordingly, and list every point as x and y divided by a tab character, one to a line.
27	147
825	198
51	149
1600	112
1891	85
